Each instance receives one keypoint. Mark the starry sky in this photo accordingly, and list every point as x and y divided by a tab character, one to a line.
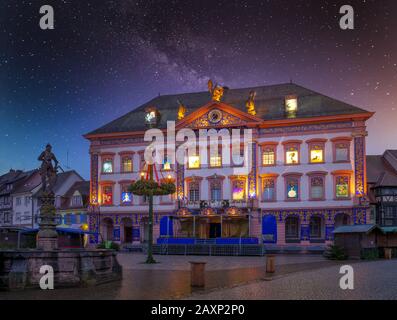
105	58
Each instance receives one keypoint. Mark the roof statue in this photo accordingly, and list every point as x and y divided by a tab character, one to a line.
216	91
181	110
48	170
250	104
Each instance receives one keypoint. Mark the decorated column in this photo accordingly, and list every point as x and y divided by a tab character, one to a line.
360	182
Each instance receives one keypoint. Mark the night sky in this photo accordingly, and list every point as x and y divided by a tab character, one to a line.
105	58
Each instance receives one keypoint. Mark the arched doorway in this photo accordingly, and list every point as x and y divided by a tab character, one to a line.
342	219
126	230
106	229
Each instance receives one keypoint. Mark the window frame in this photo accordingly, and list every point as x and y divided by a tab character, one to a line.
337	140
273	177
317	174
125	184
191	181
234	179
106	184
215	179
321	228
126	155
292	144
295	237
219	155
296	176
188	167
266	146
312	143
107	157
342	173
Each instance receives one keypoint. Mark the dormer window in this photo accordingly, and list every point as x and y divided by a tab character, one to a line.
291	106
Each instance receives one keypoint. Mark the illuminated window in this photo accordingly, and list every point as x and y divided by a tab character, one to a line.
292	155
292	189
268	156
194	191
166	164
194	162
127	164
126	195
316	188
341	152
215	161
107	166
291	106
316	154
342	187
107	195
238	190
269	192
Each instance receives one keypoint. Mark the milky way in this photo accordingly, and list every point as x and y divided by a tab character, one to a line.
105	58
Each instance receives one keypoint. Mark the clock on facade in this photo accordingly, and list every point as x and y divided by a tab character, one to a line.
214	116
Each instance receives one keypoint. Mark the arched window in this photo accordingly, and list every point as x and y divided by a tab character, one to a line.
292	228
316	227
342	219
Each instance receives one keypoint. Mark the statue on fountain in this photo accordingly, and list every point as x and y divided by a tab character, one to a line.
47	238
48	170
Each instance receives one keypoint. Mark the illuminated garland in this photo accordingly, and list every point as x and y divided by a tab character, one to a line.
151	187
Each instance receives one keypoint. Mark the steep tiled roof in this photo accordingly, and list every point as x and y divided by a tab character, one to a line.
12	177
269	105
381	172
61	178
83	187
28	183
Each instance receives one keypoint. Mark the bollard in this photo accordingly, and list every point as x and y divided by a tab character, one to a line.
197	274
270	267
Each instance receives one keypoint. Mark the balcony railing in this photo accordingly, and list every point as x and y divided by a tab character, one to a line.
217	204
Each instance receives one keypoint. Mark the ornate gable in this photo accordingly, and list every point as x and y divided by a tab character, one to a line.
218	115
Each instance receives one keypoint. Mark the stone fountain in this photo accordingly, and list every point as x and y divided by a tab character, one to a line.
20	269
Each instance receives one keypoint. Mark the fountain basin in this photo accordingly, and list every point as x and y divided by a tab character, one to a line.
20	269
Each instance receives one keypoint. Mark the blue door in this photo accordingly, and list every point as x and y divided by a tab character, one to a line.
269	229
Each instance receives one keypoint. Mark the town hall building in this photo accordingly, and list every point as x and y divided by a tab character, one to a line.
308	171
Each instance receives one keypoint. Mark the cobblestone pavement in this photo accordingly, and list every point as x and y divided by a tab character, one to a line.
170	278
135	261
372	280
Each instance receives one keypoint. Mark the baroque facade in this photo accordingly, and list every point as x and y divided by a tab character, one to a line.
308	171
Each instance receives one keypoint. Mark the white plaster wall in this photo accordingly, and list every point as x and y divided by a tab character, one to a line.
280	169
